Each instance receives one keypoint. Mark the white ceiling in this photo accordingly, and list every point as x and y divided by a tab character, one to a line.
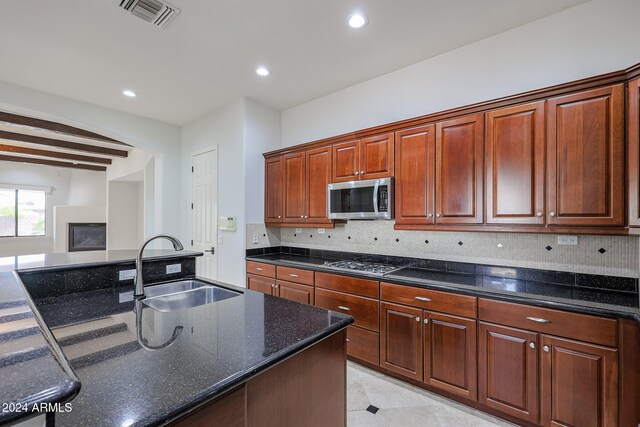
89	50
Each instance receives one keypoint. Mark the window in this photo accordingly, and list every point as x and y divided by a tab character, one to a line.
22	212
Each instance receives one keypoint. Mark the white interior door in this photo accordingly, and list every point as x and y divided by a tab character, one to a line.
205	210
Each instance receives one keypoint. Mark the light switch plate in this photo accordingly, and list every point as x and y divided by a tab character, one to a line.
255	239
174	268
298	230
126	274
568	240
125	297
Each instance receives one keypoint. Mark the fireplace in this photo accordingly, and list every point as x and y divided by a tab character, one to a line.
87	236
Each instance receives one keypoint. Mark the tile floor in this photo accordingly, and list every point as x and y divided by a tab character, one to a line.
377	400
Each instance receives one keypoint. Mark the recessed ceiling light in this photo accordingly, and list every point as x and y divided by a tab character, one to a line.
357	20
129	93
263	71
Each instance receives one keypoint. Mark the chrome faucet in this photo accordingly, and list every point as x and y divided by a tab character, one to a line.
139	283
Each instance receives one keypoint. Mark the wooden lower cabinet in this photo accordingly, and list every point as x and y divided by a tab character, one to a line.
508	370
363	344
401	340
579	383
294	292
365	311
262	284
228	410
450	354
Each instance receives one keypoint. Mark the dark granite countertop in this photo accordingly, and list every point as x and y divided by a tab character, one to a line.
218	347
528	286
33	368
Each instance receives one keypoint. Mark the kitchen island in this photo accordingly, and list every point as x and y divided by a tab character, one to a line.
270	360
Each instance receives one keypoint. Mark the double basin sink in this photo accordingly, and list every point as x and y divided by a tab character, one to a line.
184	294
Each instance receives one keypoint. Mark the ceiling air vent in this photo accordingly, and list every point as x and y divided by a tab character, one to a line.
155	12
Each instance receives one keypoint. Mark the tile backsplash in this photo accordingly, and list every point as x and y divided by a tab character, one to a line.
605	255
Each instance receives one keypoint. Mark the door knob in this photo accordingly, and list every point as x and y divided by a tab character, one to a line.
211	251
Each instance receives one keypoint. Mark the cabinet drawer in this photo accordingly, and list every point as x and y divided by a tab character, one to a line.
363	344
261	283
582	327
295	275
460	305
365	311
352	285
261	268
295	292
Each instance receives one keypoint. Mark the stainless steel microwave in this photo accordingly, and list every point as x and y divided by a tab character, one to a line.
367	199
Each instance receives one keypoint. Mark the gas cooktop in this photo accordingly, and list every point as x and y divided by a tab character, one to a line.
367	267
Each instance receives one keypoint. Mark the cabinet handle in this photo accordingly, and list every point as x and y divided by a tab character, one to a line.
293	275
539	214
356	173
546	348
361	172
552	213
276	286
438	215
306	216
538	320
430	215
279	216
423	299
426	320
348	340
259	268
342	307
417	318
273	285
301	216
532	344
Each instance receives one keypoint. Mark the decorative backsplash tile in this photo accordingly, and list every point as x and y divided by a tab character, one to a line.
604	255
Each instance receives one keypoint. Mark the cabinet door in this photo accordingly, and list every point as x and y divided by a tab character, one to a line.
346	159
633	154
459	170
515	170
295	292
585	137
376	156
508	370
318	170
294	188
415	175
579	383
401	340
450	354
273	190
262	284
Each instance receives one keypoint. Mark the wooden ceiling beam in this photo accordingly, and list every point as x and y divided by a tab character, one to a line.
55	127
11	136
54	154
52	163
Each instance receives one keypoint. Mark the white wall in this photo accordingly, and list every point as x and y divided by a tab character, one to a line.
87	188
161	139
261	134
123	215
45	176
223	128
590	39
63	215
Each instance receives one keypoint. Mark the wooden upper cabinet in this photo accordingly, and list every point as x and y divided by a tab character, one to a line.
318	171
579	383
273	190
585	139
376	156
346	161
633	151
401	340
459	170
294	187
367	158
508	370
415	159
450	354
515	165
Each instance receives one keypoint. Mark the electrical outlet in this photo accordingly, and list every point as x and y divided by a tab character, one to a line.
255	239
568	240
320	230
298	230
125	297
174	268
126	274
